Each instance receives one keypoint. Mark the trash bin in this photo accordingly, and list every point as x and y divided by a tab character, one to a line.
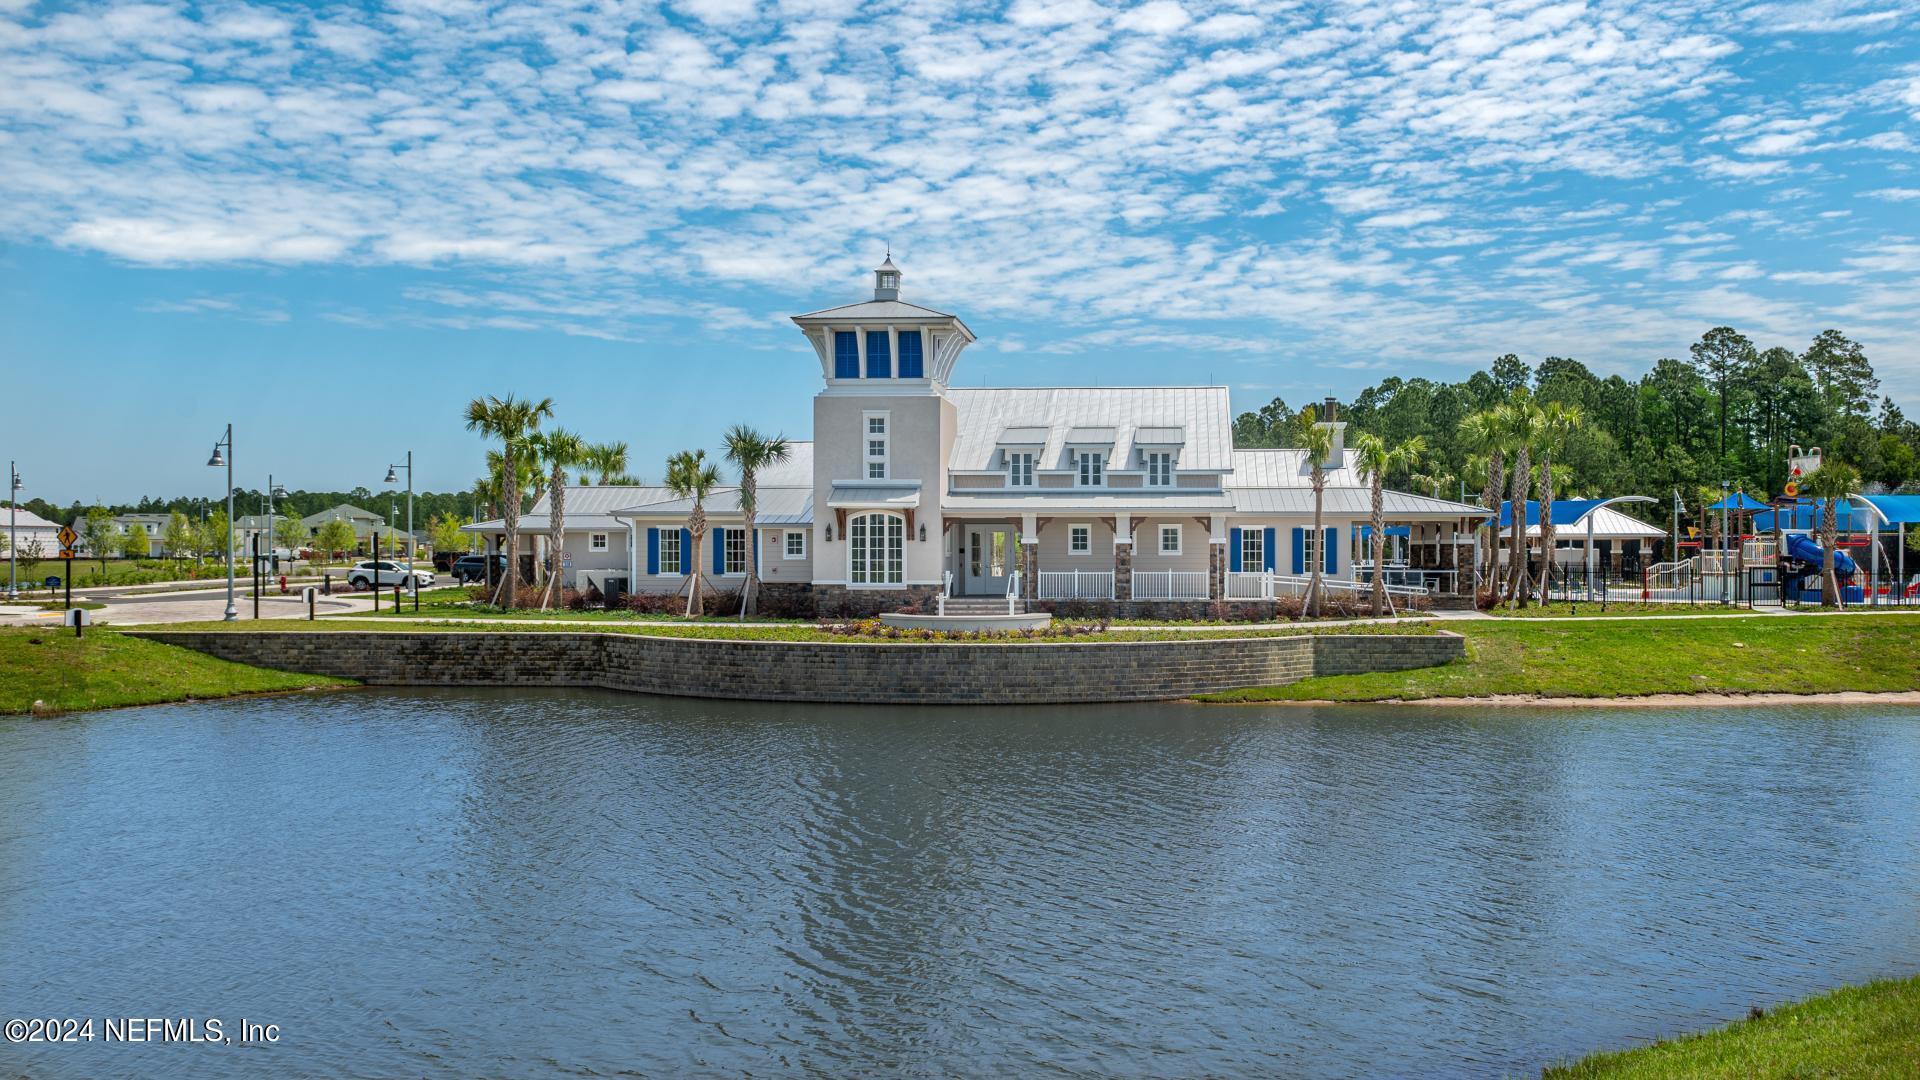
615	592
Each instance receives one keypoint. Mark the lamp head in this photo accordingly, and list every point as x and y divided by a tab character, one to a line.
391	478
216	460
279	492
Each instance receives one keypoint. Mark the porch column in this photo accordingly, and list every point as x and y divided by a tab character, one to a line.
1217	557
1030	556
1123	557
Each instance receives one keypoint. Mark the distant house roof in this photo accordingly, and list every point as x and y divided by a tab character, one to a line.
986	417
26	519
347	511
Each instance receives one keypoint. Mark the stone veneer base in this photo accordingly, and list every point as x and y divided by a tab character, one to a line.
872	673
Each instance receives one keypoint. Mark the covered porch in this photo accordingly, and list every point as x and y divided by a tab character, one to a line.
1085	556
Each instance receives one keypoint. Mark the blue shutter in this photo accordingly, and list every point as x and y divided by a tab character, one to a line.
912	365
1267	550
1333	553
686	552
879	356
719	551
1233	550
1299	551
653	552
846	355
753	545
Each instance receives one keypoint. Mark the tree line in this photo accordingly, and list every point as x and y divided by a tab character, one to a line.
1727	412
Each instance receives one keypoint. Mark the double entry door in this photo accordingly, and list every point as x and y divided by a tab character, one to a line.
988	555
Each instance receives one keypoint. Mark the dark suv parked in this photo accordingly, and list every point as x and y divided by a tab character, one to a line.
474	568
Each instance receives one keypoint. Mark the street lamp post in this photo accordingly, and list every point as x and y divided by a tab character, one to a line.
13	530
233	612
391	478
273	490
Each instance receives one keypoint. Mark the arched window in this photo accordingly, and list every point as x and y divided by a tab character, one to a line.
876	549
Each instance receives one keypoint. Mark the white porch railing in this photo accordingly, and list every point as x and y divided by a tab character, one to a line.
1076	585
1013	593
946	590
1170	585
1246	585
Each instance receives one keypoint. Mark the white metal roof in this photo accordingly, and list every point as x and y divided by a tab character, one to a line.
1024	436
26	519
876	311
774	506
855	494
796	471
1289	468
1159	436
1347	502
1070	501
984	414
1608	524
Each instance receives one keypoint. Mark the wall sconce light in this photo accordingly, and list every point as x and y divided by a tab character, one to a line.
923	532
829	534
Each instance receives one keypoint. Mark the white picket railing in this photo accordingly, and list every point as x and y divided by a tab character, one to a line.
1013	593
946	590
1248	585
1170	585
1076	585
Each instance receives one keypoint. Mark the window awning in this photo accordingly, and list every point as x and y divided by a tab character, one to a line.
857	495
1160	436
1024	436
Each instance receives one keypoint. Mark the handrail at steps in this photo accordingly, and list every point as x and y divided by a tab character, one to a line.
946	589
1013	592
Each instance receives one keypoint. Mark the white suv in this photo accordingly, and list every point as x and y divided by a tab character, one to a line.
385	574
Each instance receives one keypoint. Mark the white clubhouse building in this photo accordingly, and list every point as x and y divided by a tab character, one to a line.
912	486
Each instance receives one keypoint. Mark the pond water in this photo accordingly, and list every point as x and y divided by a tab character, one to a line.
471	883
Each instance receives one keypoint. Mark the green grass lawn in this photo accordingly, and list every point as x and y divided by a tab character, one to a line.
105	669
731	630
1798	655
1870	1031
1561	609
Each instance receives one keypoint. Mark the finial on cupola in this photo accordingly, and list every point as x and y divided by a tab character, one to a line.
886	279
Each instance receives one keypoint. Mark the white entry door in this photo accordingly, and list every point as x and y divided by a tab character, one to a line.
987	559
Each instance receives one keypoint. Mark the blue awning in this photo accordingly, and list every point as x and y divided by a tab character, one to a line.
1848	515
1565	512
1740	503
1366	531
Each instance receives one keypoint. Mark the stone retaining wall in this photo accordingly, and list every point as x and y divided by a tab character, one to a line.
885	673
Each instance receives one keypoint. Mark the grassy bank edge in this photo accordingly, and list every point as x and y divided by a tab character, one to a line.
787	632
106	670
1871	1030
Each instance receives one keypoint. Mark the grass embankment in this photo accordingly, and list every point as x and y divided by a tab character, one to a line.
728	630
1866	1031
105	669
1619	658
1561	609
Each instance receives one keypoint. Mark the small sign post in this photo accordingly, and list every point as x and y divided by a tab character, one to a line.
78	618
67	539
308	594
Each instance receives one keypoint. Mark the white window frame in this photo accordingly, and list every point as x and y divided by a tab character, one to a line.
596	541
876	466
787	545
1254	540
1159	468
1089	469
1310	553
1179	540
1020	468
728	539
676	565
861	548
1077	533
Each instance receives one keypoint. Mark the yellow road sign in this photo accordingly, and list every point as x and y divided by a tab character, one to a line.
67	537
66	553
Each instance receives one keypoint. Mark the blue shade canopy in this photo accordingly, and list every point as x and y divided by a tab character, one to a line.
1565	512
1740	503
1849	515
1366	531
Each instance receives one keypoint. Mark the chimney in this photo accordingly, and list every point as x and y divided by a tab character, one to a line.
1330	418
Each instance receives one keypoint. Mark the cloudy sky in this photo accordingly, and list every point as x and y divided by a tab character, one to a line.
335	223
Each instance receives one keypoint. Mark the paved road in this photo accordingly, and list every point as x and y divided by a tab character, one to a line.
203	605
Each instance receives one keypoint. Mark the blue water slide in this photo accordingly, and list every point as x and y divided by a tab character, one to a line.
1802	547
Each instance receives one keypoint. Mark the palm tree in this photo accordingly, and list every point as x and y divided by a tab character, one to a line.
512	421
1557	421
1317	440
691	476
1830	483
607	460
561	450
1481	434
1377	459
1520	421
750	452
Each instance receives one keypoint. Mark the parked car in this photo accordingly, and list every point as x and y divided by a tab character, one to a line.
385	574
474	568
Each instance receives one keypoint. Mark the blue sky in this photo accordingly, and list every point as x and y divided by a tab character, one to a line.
333	224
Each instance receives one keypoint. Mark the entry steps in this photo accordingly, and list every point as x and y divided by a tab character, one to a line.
983	605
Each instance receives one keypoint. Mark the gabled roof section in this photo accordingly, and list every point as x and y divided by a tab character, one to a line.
985	414
347	511
1290	469
877	311
592	506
